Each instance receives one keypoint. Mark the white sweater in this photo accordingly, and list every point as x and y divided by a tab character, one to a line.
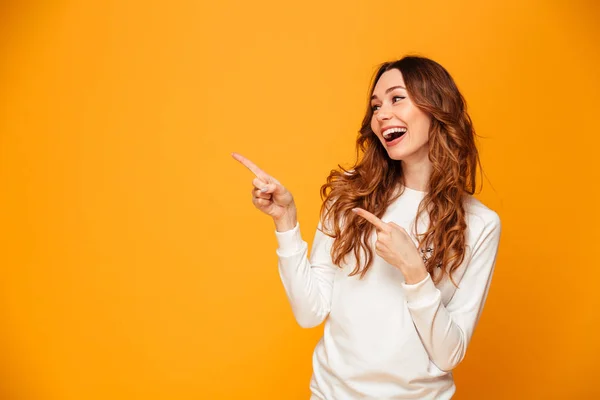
384	339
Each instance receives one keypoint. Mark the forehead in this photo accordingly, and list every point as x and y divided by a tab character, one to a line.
390	78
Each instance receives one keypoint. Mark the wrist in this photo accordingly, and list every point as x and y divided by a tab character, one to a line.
286	222
415	276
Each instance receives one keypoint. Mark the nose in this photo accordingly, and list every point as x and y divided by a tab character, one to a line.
383	114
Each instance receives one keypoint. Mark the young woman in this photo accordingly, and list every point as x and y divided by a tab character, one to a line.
403	255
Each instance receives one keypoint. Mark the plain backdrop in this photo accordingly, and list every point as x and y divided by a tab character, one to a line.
133	264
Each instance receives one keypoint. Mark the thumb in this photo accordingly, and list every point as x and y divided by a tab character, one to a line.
396	227
274	188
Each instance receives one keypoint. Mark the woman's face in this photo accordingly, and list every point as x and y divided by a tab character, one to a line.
402	128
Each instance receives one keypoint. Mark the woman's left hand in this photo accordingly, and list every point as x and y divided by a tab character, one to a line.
396	247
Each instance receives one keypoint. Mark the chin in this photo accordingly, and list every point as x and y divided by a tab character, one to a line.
396	155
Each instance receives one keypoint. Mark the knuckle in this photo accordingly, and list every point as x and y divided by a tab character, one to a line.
257	182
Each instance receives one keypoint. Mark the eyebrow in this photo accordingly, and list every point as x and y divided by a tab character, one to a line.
389	90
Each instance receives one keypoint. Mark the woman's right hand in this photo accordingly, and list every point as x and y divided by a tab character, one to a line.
270	197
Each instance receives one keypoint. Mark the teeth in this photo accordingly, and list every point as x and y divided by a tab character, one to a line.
388	133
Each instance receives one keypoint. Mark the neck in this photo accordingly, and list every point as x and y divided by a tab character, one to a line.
416	174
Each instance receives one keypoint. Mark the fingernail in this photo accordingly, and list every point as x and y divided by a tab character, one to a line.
264	189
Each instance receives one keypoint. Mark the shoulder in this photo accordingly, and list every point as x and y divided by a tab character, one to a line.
480	218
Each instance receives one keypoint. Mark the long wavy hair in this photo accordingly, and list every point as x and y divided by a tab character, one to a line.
375	180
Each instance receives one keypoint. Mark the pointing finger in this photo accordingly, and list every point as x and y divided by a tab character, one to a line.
379	224
250	165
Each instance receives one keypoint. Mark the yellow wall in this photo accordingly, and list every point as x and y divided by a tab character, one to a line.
134	265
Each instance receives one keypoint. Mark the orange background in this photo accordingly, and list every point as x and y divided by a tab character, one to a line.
134	265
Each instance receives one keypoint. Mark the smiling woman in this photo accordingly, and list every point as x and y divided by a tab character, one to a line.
397	322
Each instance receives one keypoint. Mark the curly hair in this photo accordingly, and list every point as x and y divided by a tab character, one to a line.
375	181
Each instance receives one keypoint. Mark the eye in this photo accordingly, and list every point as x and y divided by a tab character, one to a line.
375	107
397	98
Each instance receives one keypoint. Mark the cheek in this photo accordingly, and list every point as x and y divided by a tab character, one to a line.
374	125
424	131
422	123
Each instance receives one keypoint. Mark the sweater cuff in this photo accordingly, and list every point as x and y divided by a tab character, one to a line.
289	242
422	293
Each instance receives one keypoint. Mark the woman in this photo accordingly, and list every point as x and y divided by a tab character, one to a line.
403	256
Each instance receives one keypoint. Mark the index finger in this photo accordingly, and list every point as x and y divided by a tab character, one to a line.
250	165
379	224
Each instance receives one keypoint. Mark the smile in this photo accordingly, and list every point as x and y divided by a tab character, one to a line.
391	134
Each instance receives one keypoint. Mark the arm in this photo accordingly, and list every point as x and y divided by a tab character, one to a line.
308	283
446	331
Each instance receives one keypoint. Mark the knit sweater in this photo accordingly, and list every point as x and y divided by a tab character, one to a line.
383	338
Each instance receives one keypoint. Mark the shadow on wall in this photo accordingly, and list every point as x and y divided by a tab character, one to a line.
11	11
17	381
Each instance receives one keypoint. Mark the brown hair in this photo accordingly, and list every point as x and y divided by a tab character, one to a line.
372	182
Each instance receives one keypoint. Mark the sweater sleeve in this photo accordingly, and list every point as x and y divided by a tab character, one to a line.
446	331
308	282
